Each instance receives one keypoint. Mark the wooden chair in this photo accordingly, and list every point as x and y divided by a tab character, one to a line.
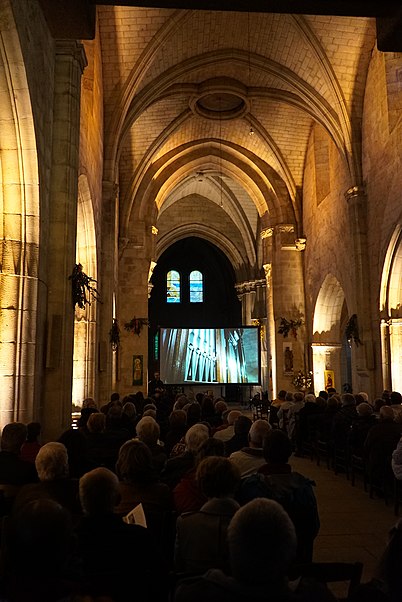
322	451
358	466
341	460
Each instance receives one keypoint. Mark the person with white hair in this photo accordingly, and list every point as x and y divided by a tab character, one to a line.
228	432
54	481
148	431
177	466
262	546
250	458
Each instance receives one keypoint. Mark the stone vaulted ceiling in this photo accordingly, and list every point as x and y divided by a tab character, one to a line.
208	114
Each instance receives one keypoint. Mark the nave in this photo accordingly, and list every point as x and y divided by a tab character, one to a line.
353	526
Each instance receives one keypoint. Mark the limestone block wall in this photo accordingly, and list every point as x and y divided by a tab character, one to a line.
382	171
329	247
28	53
91	126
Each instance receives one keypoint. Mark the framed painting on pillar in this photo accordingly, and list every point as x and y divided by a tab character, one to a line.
287	358
329	379
138	370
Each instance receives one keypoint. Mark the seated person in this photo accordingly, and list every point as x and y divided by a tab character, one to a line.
177	466
14	470
187	494
239	440
148	431
250	458
275	480
262	546
54	482
38	556
117	558
32	445
140	484
201	536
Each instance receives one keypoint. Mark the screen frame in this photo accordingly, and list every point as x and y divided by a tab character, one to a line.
163	359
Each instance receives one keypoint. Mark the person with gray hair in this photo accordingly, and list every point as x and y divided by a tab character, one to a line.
177	466
227	433
54	481
262	546
148	431
250	458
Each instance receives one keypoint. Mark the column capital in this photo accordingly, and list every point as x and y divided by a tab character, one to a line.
301	243
266	233
354	192
74	49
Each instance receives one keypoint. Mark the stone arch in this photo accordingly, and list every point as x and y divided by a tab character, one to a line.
330	351
19	223
391	313
84	361
208	233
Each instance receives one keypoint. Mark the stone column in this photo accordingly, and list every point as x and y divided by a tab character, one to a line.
285	298
385	356
108	358
362	355
69	65
134	267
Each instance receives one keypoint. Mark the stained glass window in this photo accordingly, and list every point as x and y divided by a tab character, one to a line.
196	287
173	287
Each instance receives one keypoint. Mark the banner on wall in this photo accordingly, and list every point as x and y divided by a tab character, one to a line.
329	379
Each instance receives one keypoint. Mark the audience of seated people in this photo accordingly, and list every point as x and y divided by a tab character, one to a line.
180	463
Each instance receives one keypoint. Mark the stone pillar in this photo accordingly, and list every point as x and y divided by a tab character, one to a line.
108	358
69	65
249	295
285	299
134	267
385	356
270	335
362	355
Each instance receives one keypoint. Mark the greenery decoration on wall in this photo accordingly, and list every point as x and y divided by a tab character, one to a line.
114	335
289	326
303	381
135	325
82	289
352	331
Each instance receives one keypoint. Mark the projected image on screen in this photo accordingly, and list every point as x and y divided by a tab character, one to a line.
209	355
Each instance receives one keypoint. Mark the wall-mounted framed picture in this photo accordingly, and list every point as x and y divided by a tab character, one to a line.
138	370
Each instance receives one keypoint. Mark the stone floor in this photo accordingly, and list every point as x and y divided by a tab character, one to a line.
353	526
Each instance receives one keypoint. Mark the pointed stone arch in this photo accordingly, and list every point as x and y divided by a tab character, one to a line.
84	361
391	313
330	349
19	235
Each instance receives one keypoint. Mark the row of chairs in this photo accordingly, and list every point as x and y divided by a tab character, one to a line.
344	460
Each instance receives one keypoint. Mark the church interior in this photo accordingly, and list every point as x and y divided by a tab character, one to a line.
197	168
